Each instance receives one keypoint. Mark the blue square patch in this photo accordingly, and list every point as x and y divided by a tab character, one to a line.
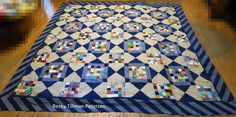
169	48
105	13
179	75
159	15
132	13
64	46
73	27
99	46
102	27
79	13
95	72
53	72
137	72
133	27
134	46
163	30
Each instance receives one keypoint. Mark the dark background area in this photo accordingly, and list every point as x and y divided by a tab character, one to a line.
231	9
223	10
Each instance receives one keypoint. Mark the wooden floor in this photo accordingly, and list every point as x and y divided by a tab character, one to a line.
216	36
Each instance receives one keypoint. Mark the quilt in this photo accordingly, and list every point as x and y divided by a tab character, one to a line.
118	57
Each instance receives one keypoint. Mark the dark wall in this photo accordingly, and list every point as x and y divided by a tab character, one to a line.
223	9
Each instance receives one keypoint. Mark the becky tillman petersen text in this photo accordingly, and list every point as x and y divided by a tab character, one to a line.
64	106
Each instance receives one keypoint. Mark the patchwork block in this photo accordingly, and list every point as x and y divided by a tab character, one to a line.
120	6
137	72
145	8
84	35
117	35
70	89
151	36
105	13
134	46
178	75
164	30
174	21
163	91
159	15
64	18
99	46
117	18
78	58
53	72
64	46
24	88
116	58
146	19
94	7
133	27
70	7
79	13
208	93
54	35
102	27
132	13
116	90
154	58
95	72
90	18
192	61
73	27
41	57
169	10
181	38
169	49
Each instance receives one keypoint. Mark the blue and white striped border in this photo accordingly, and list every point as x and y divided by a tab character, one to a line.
227	106
211	71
